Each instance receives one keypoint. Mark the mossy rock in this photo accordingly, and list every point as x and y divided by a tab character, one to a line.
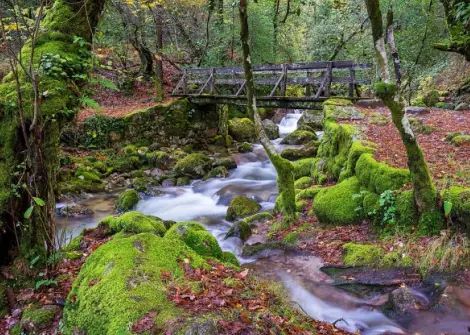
313	119
230	258
241	207
308	150
183	181
194	165
303	167
195	237
123	281
242	129
127	200
36	318
244	147
240	229
303	183
227	162
337	204
299	137
308	193
158	159
459	197
362	254
134	223
460	140
271	129
217	172
406	214
379	177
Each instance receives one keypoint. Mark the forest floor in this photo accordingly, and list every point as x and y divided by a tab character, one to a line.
448	163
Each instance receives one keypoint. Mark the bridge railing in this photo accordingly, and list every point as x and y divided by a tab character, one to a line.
309	81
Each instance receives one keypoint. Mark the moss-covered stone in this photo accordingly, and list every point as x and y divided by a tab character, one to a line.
230	258
459	197
303	167
271	129
308	150
158	159
35	318
241	207
122	281
298	137
244	147
240	229
337	204
406	214
134	223
217	172
362	254
378	177
195	237
303	183
242	129
461	140
194	165
227	162
127	200
308	193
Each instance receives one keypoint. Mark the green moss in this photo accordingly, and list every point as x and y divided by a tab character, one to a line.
217	172
362	254
303	183
194	165
379	177
127	200
37	317
407	215
355	152
122	281
240	229
3	301
74	244
158	159
291	238
337	204
308	193
245	147
242	129
298	137
460	140
306	151
241	207
258	217
459	197
431	222
135	223
370	203
303	167
396	259
230	258
195	237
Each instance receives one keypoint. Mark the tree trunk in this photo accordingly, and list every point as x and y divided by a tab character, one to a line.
425	194
159	62
284	168
30	130
393	47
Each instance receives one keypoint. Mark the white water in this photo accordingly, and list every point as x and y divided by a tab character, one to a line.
289	123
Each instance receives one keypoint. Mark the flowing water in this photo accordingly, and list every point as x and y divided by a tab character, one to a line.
310	288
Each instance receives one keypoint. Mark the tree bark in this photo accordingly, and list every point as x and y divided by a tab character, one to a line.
425	194
393	47
284	168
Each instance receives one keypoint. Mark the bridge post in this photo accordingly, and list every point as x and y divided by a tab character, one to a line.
352	81
329	77
284	80
185	81
212	82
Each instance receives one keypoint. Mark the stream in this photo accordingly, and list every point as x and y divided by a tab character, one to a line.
309	287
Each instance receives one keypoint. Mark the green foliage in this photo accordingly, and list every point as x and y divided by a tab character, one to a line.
97	130
362	254
459	197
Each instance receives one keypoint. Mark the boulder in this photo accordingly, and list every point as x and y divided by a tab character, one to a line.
299	137
133	223
194	165
312	119
227	162
272	129
245	147
74	210
127	200
242	129
36	318
462	106
217	172
307	151
240	229
404	300
206	327
241	207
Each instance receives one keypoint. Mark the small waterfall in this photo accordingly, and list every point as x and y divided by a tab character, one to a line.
289	123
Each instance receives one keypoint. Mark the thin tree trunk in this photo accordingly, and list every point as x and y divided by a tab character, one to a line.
159	46
284	168
393	47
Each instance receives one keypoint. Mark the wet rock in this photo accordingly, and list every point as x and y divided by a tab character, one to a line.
313	119
127	200
227	162
207	327
404	300
306	151
242	129
241	207
74	210
272	129
279	114
217	172
299	137
35	318
245	147
240	229
266	249
415	110
194	165
170	182
156	173
183	181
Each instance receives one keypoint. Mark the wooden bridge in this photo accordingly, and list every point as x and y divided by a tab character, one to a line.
296	86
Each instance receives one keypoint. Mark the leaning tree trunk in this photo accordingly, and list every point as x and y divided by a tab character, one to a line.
284	168
159	62
425	194
35	105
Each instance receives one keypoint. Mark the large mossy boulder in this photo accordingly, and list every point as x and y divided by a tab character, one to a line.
298	137
242	129
127	200
36	318
241	207
337	204
134	223
123	281
271	129
195	237
194	165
